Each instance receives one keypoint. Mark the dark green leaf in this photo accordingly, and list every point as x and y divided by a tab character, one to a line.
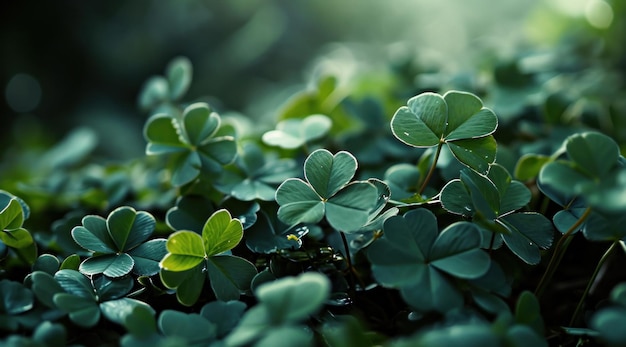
594	153
147	257
199	123
422	122
179	72
224	315
112	288
47	263
83	311
475	153
44	287
298	203
189	213
530	232
193	328
118	310
128	228
188	284
292	299
527	312
14	298
163	136
327	173
75	283
349	209
230	276
94	235
110	265
50	334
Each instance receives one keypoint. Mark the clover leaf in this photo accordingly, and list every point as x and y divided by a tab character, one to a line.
327	192
256	175
414	258
269	234
191	258
13	212
118	243
609	321
593	171
158	91
491	202
14	300
456	119
283	304
191	140
294	133
85	300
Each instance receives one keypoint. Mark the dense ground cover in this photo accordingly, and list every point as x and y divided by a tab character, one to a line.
396	205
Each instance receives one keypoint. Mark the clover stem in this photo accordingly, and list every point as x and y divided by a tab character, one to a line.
493	240
559	251
432	167
601	262
353	275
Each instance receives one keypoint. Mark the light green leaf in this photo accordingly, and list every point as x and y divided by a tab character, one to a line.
563	177
529	166
456	251
16	238
186	250
221	233
11	216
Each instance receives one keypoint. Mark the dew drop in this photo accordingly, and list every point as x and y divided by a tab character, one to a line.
530	243
467	208
414	316
242	219
405	133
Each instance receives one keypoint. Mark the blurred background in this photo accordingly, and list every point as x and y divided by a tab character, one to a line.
66	64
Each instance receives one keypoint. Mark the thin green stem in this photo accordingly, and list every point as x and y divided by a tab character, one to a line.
432	167
559	251
591	281
354	277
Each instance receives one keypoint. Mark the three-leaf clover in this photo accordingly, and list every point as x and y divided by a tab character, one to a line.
85	300
119	243
191	258
192	141
456	119
415	258
593	171
294	133
256	175
327	192
160	91
491	202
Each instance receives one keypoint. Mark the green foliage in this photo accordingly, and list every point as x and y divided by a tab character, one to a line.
191	140
192	259
414	258
491	202
328	193
119	243
457	119
401	247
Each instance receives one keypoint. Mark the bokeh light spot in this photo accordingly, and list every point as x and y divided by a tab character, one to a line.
23	93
